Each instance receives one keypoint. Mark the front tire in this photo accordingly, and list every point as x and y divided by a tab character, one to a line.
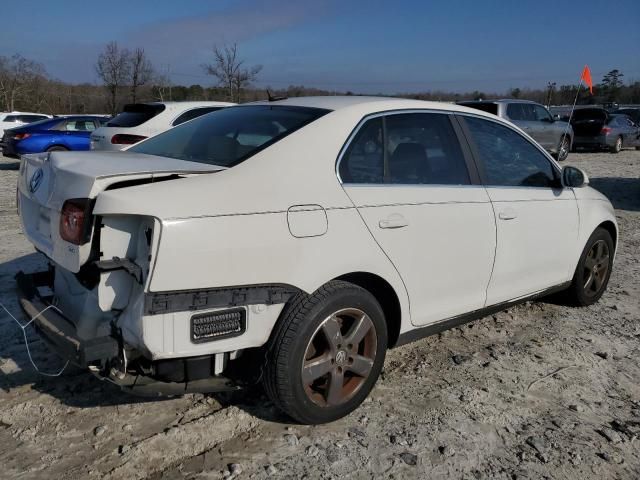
592	274
617	147
326	353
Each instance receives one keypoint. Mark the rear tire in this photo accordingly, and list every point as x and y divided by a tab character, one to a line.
326	353
617	147
592	274
57	148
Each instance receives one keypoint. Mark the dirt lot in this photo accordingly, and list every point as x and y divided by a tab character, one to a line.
538	391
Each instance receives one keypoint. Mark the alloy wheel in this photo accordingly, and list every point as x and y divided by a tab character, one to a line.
339	357
596	267
563	151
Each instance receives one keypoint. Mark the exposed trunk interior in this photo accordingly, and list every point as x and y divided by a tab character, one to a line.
588	122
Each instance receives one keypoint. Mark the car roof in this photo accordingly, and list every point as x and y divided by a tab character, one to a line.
368	104
189	104
26	113
501	100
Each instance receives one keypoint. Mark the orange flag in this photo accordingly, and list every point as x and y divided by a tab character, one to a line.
586	78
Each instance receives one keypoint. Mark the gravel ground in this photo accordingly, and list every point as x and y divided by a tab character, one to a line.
538	391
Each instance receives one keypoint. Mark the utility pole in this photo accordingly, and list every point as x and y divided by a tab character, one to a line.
551	86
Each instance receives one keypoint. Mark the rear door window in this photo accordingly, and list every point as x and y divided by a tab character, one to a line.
409	149
422	148
135	114
193	113
515	111
507	158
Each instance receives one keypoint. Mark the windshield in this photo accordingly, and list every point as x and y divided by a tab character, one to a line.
231	135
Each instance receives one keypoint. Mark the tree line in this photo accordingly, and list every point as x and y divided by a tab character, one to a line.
128	76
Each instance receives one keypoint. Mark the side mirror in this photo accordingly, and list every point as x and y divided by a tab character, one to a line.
556	116
574	177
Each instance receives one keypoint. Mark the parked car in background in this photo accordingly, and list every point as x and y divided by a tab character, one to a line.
15	119
633	112
553	135
51	135
304	237
138	121
595	128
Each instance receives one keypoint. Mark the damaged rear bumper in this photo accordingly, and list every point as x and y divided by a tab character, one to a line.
103	355
58	331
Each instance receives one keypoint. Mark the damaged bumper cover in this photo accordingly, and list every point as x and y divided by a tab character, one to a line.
58	331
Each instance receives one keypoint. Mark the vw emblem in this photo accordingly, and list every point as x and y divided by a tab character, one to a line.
36	180
341	357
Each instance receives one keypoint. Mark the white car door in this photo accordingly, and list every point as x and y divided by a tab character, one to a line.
417	190
537	220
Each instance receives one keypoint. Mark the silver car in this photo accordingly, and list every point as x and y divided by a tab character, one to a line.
555	136
598	129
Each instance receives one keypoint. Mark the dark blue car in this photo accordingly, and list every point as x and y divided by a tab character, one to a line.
56	134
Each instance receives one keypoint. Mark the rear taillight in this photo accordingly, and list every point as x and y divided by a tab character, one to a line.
21	136
605	130
125	139
75	220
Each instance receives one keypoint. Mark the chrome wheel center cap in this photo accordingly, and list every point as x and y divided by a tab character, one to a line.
341	357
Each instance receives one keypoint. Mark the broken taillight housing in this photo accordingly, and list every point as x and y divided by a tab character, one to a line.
21	136
126	139
75	220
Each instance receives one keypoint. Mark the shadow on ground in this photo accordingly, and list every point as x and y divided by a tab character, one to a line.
624	193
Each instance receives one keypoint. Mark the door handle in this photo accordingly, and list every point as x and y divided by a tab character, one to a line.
394	220
508	214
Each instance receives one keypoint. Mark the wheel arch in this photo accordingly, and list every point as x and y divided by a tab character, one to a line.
610	227
57	144
385	295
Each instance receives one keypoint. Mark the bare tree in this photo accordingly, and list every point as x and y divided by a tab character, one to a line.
17	76
161	87
113	68
141	71
230	71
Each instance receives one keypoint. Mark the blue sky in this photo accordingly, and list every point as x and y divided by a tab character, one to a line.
364	46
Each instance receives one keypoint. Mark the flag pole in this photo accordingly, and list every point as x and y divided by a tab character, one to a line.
573	107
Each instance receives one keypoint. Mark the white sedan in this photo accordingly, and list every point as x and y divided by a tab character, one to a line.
299	240
138	121
17	119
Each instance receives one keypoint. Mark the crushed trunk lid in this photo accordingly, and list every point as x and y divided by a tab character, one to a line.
47	180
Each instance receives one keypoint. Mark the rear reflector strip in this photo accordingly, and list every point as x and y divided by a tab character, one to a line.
208	327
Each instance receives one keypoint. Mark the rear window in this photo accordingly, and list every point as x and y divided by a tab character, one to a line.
231	135
135	114
193	113
488	107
